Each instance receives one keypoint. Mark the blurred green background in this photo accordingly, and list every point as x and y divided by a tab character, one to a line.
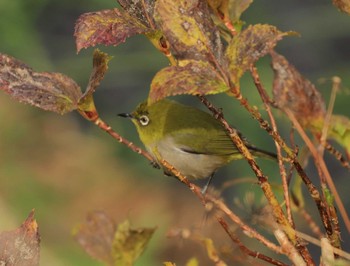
65	167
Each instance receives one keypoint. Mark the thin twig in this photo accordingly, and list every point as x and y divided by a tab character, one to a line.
338	155
264	184
282	168
327	120
323	168
245	249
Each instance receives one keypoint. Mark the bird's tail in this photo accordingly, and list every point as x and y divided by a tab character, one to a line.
262	153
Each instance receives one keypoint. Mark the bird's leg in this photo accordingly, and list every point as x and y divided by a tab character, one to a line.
205	188
155	165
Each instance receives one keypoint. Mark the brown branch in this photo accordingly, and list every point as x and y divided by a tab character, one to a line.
327	120
322	168
291	155
265	186
282	168
246	250
338	155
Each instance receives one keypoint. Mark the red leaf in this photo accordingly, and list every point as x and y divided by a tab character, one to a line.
108	27
49	91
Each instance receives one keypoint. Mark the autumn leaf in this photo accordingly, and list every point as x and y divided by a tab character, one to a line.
188	27
86	105
129	243
229	10
108	27
190	77
142	10
96	235
112	244
291	90
342	5
21	247
49	91
249	46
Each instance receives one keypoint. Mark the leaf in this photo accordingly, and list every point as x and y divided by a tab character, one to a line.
249	46
229	10
21	247
192	262
96	235
142	10
49	91
291	90
212	252
86	104
188	27
168	263
108	27
129	243
339	130
342	5
191	77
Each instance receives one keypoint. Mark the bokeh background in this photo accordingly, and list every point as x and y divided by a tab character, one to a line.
65	167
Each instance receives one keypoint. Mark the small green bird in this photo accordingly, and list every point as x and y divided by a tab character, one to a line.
191	140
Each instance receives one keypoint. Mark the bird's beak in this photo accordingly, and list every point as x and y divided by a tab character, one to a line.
126	115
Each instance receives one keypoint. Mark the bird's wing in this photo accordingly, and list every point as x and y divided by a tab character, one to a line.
202	141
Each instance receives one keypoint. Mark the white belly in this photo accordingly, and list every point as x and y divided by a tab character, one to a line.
191	165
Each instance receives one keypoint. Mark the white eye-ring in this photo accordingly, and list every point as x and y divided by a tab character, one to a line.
144	120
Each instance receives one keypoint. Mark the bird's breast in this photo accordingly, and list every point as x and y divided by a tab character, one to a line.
190	164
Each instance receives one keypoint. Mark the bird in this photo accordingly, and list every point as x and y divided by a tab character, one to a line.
191	140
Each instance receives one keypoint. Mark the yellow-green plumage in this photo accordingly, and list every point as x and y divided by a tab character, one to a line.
193	141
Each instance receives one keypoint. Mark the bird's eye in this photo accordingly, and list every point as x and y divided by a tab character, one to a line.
144	120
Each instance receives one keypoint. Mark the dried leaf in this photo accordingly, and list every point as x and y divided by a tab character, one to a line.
291	90
142	10
49	91
96	235
192	77
249	46
21	247
108	27
129	243
188	27
342	5
100	67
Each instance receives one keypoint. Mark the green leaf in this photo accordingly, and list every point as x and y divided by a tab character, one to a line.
192	262
128	244
249	46
291	90
49	91
108	27
339	130
21	246
190	77
96	235
188	27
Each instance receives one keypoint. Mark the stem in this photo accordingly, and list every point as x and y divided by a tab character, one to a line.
265	186
283	172
246	250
